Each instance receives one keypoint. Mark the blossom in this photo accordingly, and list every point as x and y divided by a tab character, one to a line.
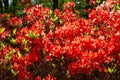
16	22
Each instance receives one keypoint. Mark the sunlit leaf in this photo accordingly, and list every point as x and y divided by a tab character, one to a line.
2	30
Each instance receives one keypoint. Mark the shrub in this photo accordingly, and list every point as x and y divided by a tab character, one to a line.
61	46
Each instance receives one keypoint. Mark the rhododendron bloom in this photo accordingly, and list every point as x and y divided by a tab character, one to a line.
16	22
38	78
49	77
42	45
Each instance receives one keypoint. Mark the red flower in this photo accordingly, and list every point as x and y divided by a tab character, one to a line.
38	78
16	21
33	56
92	2
18	67
49	77
119	1
24	75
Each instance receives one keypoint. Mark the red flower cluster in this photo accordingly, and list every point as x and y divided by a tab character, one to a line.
16	22
80	45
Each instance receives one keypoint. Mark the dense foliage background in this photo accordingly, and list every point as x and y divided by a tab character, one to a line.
60	40
16	6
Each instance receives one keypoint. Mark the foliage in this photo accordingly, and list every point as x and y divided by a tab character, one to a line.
60	45
83	6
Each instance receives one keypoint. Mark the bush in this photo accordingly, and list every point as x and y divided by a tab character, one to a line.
46	45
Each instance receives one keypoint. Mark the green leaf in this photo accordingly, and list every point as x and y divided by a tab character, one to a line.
8	16
19	54
61	22
53	65
8	56
110	70
98	1
86	34
55	18
12	51
27	49
33	35
24	42
14	31
52	27
2	45
2	30
50	13
117	6
13	41
13	72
